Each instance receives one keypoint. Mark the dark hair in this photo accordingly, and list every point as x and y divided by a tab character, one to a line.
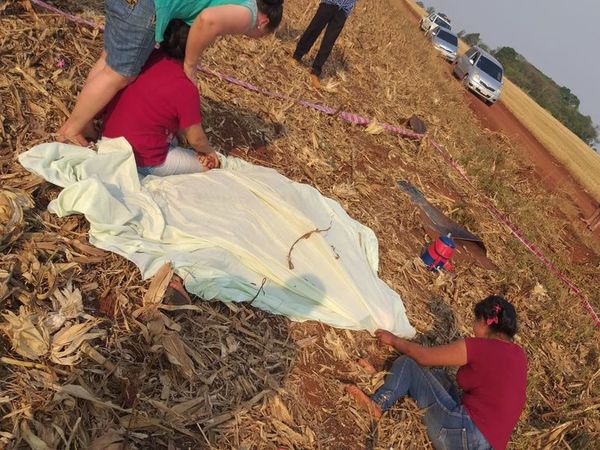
499	314
175	39
273	9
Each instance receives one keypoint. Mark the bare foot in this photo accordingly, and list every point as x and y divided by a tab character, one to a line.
314	80
364	401
366	365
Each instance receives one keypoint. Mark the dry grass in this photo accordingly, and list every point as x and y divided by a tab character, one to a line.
579	158
233	377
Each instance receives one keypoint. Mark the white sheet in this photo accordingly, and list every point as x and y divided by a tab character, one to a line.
225	231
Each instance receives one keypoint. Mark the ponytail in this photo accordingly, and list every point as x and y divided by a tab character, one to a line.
498	313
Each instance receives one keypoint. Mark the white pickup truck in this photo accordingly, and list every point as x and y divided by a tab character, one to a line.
434	20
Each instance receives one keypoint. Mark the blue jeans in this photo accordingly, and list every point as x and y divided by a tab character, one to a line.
449	425
129	35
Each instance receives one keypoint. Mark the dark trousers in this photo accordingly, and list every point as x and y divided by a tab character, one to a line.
330	16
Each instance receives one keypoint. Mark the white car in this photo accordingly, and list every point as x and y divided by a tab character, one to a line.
481	73
435	20
445	42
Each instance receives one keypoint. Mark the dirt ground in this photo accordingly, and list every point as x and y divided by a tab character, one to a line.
547	168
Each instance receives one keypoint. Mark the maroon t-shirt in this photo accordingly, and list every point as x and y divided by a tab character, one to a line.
494	382
161	101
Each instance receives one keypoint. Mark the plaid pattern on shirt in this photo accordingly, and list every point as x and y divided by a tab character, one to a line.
346	5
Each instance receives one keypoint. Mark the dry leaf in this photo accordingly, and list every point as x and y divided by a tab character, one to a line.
26	339
12	204
34	441
176	354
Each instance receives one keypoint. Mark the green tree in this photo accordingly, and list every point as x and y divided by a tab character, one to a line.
421	4
557	100
430	10
472	38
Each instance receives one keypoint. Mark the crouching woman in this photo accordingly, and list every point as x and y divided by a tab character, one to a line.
492	376
160	104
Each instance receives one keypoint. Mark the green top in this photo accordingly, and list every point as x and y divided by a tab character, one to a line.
187	10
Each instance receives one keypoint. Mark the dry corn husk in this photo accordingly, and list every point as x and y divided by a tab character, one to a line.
28	339
33	334
12	204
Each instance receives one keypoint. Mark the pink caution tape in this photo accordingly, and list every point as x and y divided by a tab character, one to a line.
359	120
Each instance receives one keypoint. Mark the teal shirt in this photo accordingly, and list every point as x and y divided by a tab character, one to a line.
187	10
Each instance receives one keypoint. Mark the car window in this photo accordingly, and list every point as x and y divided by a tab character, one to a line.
473	58
489	67
470	52
442	23
448	37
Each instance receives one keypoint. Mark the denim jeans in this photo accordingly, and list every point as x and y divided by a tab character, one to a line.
129	35
449	425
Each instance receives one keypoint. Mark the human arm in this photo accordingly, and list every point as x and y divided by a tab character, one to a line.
209	24
196	137
453	354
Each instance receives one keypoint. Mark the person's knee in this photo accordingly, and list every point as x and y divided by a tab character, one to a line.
115	79
405	361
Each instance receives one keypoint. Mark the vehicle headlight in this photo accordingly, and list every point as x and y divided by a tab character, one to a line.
476	78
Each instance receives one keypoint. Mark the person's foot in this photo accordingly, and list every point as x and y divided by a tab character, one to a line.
314	80
366	365
296	60
176	293
364	401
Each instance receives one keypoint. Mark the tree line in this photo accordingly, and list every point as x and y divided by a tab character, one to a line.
557	100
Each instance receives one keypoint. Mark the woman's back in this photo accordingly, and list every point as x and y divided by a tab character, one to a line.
494	382
150	111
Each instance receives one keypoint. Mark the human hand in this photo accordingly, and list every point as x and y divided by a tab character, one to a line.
190	70
209	160
385	338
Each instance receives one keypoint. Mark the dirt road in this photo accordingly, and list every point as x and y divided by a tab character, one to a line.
551	172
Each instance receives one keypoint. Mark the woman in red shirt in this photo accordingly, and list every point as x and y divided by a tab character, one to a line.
160	104
492	375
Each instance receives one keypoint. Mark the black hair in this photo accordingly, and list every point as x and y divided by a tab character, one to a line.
499	314
175	39
273	9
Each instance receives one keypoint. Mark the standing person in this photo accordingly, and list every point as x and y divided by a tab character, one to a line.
160	104
331	14
133	27
492	375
